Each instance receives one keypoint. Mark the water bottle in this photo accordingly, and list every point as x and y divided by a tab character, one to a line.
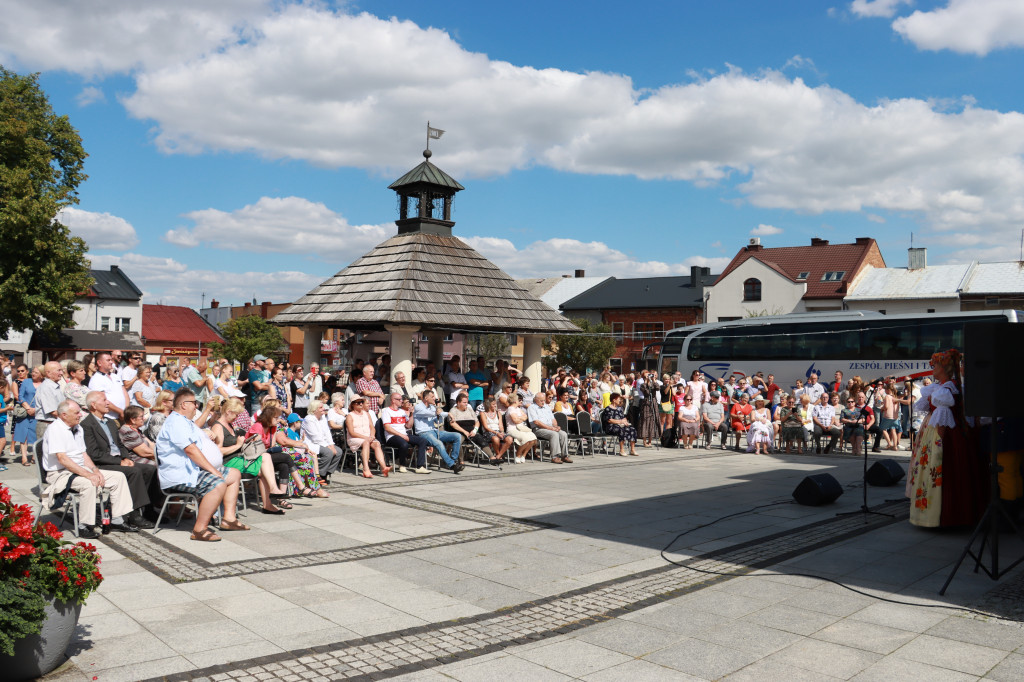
105	507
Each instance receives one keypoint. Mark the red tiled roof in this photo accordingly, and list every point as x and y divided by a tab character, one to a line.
176	324
816	259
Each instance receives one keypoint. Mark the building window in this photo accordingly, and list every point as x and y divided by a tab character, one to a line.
833	276
450	336
752	290
104	324
648	330
992	301
513	339
931	310
616	365
122	324
617	330
803	275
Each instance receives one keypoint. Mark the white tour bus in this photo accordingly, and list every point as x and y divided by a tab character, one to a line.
857	343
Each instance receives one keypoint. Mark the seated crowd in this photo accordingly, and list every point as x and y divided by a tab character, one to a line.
139	432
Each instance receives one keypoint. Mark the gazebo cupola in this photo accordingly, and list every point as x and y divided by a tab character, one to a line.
425	196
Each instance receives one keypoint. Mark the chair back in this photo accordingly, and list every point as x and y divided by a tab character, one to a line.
37	452
583	423
562	421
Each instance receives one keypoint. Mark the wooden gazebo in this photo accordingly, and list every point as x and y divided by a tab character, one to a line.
424	280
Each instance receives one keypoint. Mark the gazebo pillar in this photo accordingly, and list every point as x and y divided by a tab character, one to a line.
311	337
435	349
402	339
531	359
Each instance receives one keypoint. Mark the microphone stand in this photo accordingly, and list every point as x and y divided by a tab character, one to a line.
864	509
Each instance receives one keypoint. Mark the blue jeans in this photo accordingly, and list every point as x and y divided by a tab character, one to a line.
437	439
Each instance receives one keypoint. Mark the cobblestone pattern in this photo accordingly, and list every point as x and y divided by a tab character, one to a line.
428	646
1007	599
175	565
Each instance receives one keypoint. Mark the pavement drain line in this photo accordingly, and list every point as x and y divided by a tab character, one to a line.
427	646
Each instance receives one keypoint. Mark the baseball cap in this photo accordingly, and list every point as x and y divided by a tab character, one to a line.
292	418
257	358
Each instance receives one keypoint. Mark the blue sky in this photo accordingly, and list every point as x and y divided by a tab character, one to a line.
243	148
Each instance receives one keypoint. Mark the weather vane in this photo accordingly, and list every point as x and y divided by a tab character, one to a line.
433	134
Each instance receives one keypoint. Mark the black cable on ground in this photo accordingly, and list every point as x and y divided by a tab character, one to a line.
807	575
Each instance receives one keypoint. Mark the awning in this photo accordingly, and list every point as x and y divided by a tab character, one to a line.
88	340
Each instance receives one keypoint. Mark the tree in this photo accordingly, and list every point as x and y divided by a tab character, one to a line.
43	269
490	346
247	336
590	349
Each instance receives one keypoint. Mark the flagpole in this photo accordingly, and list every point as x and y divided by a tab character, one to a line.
428	135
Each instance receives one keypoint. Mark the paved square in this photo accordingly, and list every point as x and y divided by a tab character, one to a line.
540	571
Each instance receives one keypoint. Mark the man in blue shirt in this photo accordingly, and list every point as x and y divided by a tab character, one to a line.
184	467
425	418
478	383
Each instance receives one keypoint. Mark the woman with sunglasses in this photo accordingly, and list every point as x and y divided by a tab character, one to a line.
687	419
25	427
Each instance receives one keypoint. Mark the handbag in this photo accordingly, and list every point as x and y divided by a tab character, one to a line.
253	448
19	411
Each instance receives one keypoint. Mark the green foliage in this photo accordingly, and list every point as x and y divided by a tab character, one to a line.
21	614
36	560
247	336
490	346
43	268
589	349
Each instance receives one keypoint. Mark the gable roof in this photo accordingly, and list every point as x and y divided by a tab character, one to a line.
554	291
933	281
113	284
177	324
640	292
817	259
996	278
431	281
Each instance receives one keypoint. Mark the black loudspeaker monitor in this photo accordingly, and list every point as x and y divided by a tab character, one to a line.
992	356
817	490
885	472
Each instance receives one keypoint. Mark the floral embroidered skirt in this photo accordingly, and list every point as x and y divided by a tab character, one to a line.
946	482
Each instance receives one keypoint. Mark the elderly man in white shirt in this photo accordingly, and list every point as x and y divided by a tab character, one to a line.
316	433
823	415
814	389
542	421
48	397
68	466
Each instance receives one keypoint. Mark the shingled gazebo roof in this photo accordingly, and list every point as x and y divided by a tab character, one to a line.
425	277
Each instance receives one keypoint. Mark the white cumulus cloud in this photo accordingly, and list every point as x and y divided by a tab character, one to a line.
288	225
877	8
763	230
555	257
90	95
112	36
170	282
966	26
99	230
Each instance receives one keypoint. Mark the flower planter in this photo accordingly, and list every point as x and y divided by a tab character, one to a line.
37	655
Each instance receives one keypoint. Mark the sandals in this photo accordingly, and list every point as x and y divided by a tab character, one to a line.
283	504
205	535
233	525
366	473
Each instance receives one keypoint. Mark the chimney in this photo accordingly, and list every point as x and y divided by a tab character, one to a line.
263	309
815	241
698	274
247	304
917	258
863	241
581	273
214	303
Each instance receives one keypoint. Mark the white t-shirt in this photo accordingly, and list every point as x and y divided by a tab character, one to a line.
58	438
128	373
112	387
396	419
455	378
336	417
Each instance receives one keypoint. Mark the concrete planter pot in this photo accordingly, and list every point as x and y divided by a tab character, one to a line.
36	655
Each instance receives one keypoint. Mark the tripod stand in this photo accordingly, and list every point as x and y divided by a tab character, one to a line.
988	527
864	509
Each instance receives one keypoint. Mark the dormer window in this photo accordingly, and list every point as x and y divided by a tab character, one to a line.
833	276
803	276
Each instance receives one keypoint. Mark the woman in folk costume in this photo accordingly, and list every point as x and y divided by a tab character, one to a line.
946	483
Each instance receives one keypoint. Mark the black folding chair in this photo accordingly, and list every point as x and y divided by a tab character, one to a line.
570	428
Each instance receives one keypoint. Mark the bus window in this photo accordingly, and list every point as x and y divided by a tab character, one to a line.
880	342
939	336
